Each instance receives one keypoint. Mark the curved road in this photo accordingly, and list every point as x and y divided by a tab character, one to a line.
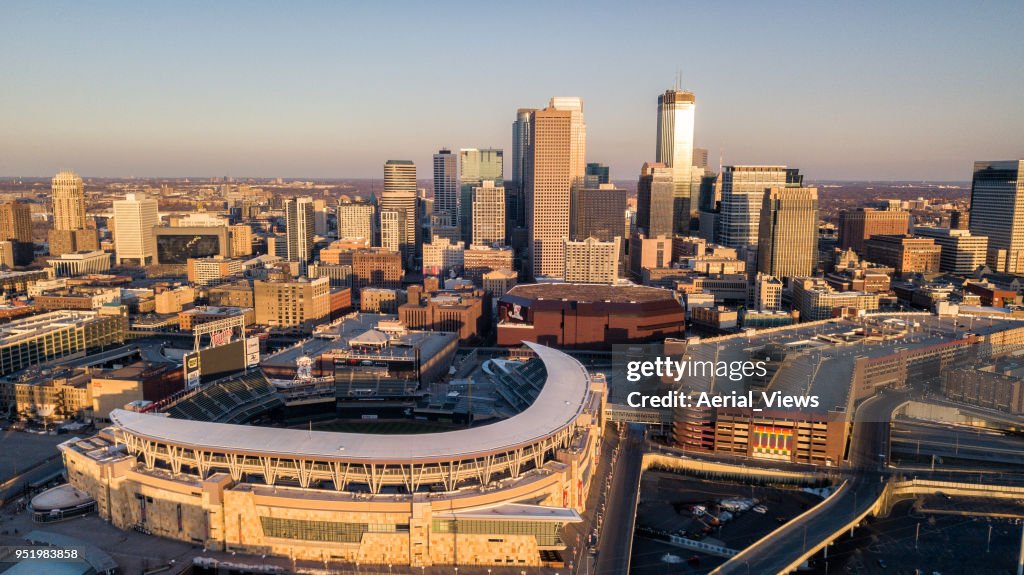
865	483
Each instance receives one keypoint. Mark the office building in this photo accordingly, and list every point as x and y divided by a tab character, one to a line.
72	230
597	212
997	211
498	282
596	174
301	304
856	226
50	336
241	240
478	260
446	184
80	263
135	217
443	258
213	271
488	214
788	232
462	313
742	197
555	167
700	158
376	267
355	220
516	198
400	196
905	254
592	261
649	253
655	193
175	245
390	230
766	293
475	168
16	228
816	300
674	148
962	252
300	228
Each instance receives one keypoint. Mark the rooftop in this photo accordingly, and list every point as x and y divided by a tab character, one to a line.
556	407
591	292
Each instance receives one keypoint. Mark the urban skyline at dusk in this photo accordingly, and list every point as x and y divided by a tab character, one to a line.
332	92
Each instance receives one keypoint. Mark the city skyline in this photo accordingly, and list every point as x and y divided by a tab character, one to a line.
198	97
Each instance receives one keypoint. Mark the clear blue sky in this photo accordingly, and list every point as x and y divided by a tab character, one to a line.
846	90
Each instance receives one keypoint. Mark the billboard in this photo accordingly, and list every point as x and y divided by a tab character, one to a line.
512	312
252	351
772	442
193	370
221	361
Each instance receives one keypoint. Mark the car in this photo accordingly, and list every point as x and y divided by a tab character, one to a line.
760	509
945	496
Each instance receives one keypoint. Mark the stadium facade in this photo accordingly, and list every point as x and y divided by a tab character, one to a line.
490	495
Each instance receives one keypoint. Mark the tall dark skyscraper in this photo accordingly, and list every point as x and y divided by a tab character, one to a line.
997	211
515	209
655	200
788	232
446	184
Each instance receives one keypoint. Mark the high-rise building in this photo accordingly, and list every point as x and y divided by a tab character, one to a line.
299	226
134	239
592	261
446	184
475	168
302	303
788	237
855	226
962	252
597	213
488	214
997	211
442	257
71	231
355	220
700	158
742	195
655	191
675	149
16	228
376	268
390	230
596	175
554	167
516	195
241	240
399	176
400	196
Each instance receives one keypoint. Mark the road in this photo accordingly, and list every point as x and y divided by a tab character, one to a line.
616	539
865	482
945	441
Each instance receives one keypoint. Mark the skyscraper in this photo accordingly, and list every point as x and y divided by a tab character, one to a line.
488	214
389	231
554	166
700	158
655	191
400	196
16	227
355	220
475	168
446	185
134	219
742	195
997	211
597	174
675	149
858	225
788	232
71	230
598	213
516	195
299	226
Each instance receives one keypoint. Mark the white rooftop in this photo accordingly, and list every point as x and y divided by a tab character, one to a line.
562	399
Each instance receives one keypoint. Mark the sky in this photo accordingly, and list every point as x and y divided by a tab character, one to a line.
843	90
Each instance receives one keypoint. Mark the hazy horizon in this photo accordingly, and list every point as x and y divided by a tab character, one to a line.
906	92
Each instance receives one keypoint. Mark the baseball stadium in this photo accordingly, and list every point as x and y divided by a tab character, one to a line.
496	494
